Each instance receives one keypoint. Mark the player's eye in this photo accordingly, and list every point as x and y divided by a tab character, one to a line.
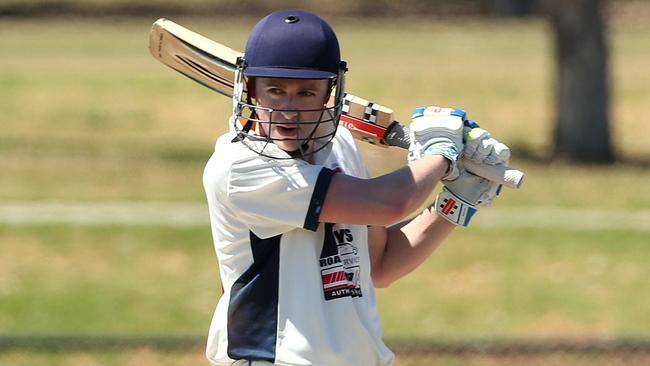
307	93
275	91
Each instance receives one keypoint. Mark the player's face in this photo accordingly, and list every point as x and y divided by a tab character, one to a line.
297	105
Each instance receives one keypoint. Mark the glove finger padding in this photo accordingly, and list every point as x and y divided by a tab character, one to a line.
473	138
481	148
500	154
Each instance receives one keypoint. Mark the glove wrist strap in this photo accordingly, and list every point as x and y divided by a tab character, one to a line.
454	209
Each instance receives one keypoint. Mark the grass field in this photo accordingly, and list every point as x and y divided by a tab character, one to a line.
88	115
156	280
137	357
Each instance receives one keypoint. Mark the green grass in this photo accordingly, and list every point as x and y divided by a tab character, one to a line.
191	357
131	357
107	280
525	283
118	280
89	115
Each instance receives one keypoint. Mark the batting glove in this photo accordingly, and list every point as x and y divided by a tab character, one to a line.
481	148
437	131
461	197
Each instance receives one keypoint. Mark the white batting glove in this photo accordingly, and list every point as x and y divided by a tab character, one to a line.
461	197
481	148
437	131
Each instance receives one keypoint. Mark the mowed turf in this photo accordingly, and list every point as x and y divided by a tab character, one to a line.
89	115
130	281
142	356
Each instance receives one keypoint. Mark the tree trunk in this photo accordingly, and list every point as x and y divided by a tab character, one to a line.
510	8
582	130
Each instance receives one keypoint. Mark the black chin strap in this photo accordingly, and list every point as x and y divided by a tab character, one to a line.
300	152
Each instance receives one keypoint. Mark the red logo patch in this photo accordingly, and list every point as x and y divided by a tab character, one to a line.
449	205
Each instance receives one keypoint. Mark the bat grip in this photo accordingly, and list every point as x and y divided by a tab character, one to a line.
398	135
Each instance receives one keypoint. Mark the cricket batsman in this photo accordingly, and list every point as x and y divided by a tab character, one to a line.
302	234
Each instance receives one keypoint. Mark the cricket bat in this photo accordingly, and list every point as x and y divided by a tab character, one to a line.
213	65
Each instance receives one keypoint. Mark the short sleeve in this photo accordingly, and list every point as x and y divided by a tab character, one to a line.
275	196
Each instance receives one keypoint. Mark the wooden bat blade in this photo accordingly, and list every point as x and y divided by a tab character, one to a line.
199	58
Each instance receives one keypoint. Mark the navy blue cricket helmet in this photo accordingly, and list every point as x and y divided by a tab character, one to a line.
292	44
289	44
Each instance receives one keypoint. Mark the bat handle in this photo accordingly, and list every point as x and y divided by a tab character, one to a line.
398	135
509	177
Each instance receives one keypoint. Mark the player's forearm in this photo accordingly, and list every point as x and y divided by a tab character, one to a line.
385	199
409	244
414	183
410	186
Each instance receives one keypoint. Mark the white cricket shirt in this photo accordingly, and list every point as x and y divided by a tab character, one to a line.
296	291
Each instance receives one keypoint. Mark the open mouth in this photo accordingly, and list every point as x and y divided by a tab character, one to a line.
285	130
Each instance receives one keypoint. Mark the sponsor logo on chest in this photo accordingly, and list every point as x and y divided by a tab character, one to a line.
340	263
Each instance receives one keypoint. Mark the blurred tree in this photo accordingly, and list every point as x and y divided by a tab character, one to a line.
582	123
510	8
581	131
